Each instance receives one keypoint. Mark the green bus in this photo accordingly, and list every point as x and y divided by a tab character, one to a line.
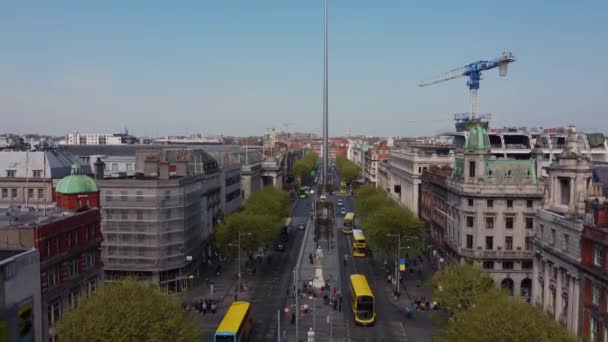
303	192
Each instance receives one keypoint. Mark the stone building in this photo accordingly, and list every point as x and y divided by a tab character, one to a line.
490	208
559	227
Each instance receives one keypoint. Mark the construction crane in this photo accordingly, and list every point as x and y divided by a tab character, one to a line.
473	71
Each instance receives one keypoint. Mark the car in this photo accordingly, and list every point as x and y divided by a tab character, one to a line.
343	211
340	202
323	198
301	226
280	247
312	192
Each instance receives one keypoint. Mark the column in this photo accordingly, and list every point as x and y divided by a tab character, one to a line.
558	295
534	291
571	307
575	304
572	198
547	280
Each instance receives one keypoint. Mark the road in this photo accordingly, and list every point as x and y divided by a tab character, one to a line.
273	280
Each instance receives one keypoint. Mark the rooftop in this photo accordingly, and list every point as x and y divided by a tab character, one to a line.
32	217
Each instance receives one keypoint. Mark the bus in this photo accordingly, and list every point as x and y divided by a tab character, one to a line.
236	324
303	192
343	187
359	246
363	303
349	223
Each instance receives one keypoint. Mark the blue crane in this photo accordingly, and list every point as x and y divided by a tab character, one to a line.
473	71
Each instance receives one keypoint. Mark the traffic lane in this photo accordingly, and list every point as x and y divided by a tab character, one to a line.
272	282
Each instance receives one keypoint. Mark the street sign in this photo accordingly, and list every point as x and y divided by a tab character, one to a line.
402	264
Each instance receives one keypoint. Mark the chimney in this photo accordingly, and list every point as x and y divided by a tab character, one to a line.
163	167
99	168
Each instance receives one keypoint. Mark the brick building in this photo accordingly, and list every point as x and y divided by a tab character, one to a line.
69	240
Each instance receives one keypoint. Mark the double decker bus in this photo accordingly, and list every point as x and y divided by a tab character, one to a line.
303	192
359	246
236	324
349	223
343	187
363	303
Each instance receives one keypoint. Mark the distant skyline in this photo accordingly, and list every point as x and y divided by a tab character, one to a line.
238	67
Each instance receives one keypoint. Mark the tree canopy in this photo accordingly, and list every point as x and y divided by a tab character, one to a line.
261	218
128	311
499	317
381	216
349	171
456	287
302	167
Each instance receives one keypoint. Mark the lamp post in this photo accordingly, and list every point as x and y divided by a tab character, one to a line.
398	236
239	258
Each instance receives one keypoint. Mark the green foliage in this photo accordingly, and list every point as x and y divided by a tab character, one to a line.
302	167
349	171
262	217
381	216
388	221
457	286
498	317
128	311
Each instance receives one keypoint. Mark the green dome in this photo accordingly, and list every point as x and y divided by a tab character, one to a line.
478	140
76	183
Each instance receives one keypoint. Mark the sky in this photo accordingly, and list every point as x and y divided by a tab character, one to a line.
238	67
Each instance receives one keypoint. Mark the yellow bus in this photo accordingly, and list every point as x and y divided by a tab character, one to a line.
343	187
349	223
359	246
236	324
363	302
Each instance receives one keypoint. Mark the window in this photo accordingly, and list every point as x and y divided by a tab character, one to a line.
4	193
129	167
139	196
91	286
489	242
509	204
490	203
488	265
52	277
597	256
13	193
526	265
529	222
552	236
566	242
40	193
73	298
124	214
508	243
594	329
88	261
470	220
529	204
595	295
168	213
489	222
11	173
37	173
167	195
507	265
528	243
123	195
72	268
564	190
108	196
470	202
469	241
140	214
30	193
509	222
114	167
541	231
54	312
472	169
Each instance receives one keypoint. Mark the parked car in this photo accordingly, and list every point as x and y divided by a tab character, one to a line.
301	226
343	211
280	247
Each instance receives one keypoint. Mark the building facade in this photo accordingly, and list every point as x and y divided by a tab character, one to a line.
406	167
158	226
371	159
69	241
20	298
490	209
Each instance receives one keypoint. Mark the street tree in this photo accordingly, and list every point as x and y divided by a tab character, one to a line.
349	171
388	222
268	201
257	231
457	286
365	206
499	317
303	167
128	311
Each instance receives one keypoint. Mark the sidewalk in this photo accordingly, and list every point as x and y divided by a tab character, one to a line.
421	326
321	317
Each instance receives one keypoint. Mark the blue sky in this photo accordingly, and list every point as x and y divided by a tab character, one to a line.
236	67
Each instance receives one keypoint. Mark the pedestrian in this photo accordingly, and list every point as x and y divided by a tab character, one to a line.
236	296
213	307
310	258
204	307
293	317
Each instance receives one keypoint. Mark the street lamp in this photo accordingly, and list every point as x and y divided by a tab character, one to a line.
239	257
